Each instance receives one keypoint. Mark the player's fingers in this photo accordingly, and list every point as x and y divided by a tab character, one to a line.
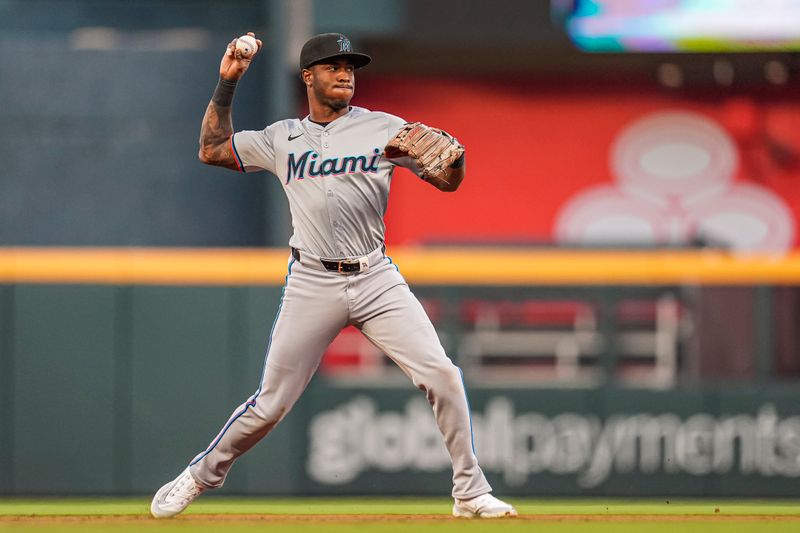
259	43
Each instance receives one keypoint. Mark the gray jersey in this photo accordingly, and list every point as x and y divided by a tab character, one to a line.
335	177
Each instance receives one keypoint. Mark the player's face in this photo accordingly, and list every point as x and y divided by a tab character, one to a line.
333	83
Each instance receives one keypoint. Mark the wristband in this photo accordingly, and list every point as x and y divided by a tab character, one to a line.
223	94
458	163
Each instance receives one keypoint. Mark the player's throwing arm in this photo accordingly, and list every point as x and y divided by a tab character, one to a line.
217	127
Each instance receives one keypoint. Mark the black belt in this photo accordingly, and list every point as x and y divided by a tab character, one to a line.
343	266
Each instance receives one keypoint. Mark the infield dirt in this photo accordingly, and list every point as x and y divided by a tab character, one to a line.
395	516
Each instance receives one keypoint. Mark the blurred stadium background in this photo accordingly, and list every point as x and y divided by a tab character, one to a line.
618	276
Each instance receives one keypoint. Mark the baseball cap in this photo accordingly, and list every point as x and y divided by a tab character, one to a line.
329	46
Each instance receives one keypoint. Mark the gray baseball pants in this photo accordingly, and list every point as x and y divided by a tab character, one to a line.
316	305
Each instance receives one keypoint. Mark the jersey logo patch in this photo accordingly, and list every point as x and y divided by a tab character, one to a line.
309	165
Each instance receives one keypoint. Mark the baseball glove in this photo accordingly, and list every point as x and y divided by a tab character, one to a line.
433	149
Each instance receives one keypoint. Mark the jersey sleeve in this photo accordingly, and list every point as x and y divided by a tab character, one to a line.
394	125
255	150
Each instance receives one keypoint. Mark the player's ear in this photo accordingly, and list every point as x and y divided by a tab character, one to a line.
306	76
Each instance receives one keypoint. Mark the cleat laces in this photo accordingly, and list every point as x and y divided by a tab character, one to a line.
184	491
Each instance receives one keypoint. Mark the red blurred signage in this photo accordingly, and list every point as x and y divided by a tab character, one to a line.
610	168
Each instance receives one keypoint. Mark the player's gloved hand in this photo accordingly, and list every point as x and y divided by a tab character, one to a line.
234	64
433	149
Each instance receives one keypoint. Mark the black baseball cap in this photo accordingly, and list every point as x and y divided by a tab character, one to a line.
329	46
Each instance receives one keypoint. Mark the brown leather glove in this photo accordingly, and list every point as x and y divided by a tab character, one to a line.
433	149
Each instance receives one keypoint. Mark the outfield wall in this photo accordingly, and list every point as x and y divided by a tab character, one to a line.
544	442
113	375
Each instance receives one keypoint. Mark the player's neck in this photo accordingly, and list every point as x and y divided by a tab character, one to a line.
322	113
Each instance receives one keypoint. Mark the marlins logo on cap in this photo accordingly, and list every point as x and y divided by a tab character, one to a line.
344	44
330	46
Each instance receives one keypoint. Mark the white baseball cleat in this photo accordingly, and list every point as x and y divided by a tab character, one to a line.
176	495
483	506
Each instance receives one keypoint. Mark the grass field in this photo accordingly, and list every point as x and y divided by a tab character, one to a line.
335	515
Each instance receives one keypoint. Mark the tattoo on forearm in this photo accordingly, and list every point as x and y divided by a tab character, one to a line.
215	132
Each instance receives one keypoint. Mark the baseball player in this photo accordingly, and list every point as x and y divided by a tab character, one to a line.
335	166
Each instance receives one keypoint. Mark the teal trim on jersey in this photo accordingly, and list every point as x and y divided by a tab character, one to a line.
469	410
252	401
236	154
393	263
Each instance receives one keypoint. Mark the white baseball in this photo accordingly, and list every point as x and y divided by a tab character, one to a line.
247	45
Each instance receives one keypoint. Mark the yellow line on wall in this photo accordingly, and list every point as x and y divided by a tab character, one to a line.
457	266
165	266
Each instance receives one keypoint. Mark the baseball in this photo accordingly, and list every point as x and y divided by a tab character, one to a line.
247	45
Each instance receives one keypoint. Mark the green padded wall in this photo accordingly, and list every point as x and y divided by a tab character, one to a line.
63	345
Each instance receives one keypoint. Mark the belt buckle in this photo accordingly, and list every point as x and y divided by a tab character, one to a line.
342	263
